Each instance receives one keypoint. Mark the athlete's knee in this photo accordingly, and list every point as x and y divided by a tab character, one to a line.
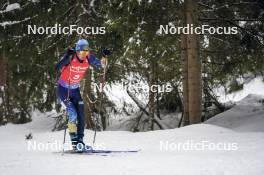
81	110
81	103
72	114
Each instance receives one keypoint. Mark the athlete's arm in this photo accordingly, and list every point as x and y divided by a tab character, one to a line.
95	62
66	59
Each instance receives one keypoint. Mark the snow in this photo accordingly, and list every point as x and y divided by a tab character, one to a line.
256	86
117	94
247	115
8	23
11	7
92	3
173	151
120	120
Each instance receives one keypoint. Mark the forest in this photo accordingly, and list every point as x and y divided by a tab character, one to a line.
160	72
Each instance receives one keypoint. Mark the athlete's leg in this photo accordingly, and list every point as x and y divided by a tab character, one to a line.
79	106
66	97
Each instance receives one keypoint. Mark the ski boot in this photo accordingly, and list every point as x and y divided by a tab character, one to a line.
82	147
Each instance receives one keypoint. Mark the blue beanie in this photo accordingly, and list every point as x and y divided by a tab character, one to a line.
82	44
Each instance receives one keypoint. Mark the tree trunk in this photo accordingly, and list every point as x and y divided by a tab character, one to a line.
101	110
156	69
88	106
4	109
192	78
184	60
3	70
87	93
151	95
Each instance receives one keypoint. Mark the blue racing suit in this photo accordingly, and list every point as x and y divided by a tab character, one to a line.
71	97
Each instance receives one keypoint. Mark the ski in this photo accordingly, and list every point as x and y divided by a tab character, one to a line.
105	152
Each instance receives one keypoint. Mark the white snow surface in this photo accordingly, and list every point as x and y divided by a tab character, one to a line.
240	127
247	115
255	86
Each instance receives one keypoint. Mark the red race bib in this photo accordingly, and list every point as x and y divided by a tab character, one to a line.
75	71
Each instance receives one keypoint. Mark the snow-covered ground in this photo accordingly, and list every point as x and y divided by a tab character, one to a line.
250	85
230	143
246	116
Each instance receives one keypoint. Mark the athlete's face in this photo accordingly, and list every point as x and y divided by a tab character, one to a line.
83	53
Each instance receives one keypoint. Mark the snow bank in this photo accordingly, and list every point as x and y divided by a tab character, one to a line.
255	85
246	116
162	151
41	122
159	153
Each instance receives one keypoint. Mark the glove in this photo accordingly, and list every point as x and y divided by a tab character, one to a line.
106	52
70	51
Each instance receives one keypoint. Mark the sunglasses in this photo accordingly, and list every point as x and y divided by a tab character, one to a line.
83	53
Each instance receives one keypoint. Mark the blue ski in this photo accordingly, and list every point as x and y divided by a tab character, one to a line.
99	151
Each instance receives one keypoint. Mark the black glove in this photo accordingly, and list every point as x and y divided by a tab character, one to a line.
106	52
70	50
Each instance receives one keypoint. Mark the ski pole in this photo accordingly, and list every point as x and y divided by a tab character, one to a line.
95	130
65	128
68	101
101	98
64	137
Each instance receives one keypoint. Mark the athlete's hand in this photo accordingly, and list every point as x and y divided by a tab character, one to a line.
106	52
70	50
